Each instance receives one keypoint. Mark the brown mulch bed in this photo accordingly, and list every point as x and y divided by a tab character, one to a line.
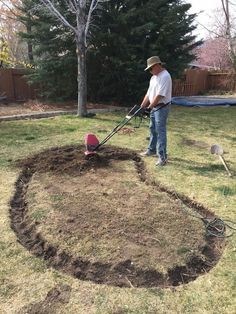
35	106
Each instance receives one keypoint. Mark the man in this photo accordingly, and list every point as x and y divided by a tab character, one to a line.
157	99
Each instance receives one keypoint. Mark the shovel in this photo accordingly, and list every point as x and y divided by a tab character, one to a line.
218	150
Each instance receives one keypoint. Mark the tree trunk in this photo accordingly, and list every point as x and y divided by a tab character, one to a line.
82	80
29	45
225	6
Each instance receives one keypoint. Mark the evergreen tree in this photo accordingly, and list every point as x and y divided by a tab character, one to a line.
53	52
128	33
125	34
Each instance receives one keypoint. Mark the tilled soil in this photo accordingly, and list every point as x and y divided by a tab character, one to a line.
118	268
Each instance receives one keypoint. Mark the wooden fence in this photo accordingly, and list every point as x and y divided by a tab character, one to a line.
193	83
182	88
222	81
14	86
199	81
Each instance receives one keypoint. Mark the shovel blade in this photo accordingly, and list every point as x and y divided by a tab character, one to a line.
217	150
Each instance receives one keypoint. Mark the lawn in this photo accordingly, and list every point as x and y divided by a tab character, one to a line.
101	211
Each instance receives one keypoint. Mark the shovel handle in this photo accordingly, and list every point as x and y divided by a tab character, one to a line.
224	163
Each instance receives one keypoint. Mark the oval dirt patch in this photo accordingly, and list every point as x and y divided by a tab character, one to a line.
102	219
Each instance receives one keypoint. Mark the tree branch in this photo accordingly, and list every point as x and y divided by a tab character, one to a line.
53	10
71	5
210	30
93	6
223	7
8	7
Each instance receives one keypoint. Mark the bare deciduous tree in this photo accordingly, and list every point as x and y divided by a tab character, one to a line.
228	30
223	26
83	11
10	27
214	53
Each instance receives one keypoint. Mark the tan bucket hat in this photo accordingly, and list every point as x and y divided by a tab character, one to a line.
153	60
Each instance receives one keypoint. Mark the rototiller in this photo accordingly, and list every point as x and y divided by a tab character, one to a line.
91	141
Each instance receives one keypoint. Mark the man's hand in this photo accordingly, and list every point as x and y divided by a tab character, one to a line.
145	102
151	106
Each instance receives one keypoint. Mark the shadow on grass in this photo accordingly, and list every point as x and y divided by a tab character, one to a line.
225	190
203	169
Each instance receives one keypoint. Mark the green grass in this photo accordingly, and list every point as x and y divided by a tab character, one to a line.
39	214
192	170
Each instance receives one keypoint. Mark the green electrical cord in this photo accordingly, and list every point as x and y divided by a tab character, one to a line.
216	227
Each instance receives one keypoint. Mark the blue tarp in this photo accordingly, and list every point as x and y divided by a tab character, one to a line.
203	101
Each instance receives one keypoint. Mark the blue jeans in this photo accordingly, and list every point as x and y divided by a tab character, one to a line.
158	136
